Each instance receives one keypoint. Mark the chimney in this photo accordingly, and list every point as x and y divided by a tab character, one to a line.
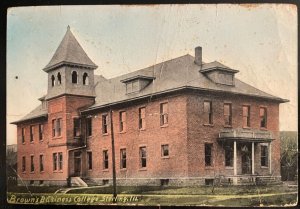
198	55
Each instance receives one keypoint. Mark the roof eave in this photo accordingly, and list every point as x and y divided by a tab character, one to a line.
218	68
28	119
137	77
177	89
52	67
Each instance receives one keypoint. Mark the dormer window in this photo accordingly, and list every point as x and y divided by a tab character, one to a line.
74	77
132	86
52	80
137	83
85	79
219	73
58	78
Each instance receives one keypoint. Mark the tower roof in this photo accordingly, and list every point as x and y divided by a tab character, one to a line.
69	52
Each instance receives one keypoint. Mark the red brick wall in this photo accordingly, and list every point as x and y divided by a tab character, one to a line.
198	133
152	137
65	107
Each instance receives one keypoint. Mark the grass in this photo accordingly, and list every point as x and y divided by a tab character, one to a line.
153	195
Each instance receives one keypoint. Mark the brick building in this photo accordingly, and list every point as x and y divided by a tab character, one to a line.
180	122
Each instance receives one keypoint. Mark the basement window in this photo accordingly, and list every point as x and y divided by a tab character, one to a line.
209	182
105	181
164	182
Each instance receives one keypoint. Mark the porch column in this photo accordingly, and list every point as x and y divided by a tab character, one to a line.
234	163
253	168
270	158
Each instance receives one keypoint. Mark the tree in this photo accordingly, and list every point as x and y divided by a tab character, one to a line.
289	155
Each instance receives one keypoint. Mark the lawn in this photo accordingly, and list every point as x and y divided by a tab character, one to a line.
225	196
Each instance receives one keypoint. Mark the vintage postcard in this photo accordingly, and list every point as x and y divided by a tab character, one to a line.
152	105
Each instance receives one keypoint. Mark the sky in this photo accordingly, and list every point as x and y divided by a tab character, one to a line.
259	40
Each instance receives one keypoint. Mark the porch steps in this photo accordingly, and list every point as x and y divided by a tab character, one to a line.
77	182
91	182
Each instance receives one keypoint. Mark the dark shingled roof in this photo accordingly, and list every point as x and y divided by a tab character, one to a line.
69	52
171	75
36	113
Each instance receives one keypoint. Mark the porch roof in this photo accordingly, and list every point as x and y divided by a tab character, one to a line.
245	135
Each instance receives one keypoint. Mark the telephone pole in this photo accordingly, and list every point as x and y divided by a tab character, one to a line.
113	157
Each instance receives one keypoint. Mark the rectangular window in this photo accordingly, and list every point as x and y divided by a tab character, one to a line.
31	133
41	163
263	117
246	116
123	158
32	163
104	124
58	126
208	154
23	164
23	135
89	126
90	160
165	150
60	161
227	115
132	86
55	161
163	114
229	155
143	157
264	155
76	127
41	131
142	116
105	159
207	109
53	128
122	121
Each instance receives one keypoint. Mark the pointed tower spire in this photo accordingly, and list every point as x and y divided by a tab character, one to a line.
69	52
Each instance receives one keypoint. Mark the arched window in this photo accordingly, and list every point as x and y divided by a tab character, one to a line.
85	79
58	78
74	77
52	80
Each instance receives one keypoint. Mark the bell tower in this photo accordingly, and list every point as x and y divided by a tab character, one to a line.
70	71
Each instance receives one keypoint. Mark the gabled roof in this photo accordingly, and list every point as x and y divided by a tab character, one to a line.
171	75
70	52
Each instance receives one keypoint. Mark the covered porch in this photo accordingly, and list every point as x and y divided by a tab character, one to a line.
248	153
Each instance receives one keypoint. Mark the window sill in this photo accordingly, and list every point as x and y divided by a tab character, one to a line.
31	172
105	170
41	140
142	129
122	132
77	137
164	126
32	142
142	169
247	127
263	129
165	157
105	134
264	167
228	168
209	167
56	137
123	169
57	171
209	125
90	170
42	172
227	126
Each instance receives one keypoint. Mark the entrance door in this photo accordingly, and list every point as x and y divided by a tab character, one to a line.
77	163
246	159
